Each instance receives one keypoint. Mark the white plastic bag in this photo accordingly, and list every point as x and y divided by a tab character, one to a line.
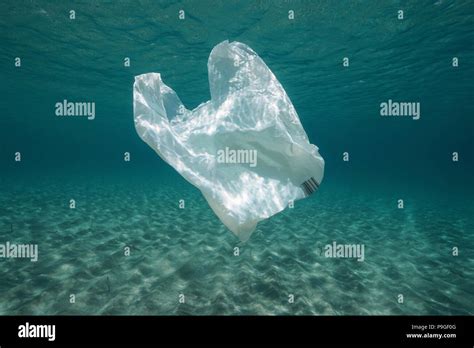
245	149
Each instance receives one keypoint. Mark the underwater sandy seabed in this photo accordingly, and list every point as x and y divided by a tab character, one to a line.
189	251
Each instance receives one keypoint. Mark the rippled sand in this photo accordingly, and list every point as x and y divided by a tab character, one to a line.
188	251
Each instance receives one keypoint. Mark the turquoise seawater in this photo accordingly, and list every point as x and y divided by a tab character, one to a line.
189	251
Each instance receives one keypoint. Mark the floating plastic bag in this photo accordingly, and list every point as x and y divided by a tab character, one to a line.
245	149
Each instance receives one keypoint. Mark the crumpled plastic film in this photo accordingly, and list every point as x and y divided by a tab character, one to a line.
245	149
